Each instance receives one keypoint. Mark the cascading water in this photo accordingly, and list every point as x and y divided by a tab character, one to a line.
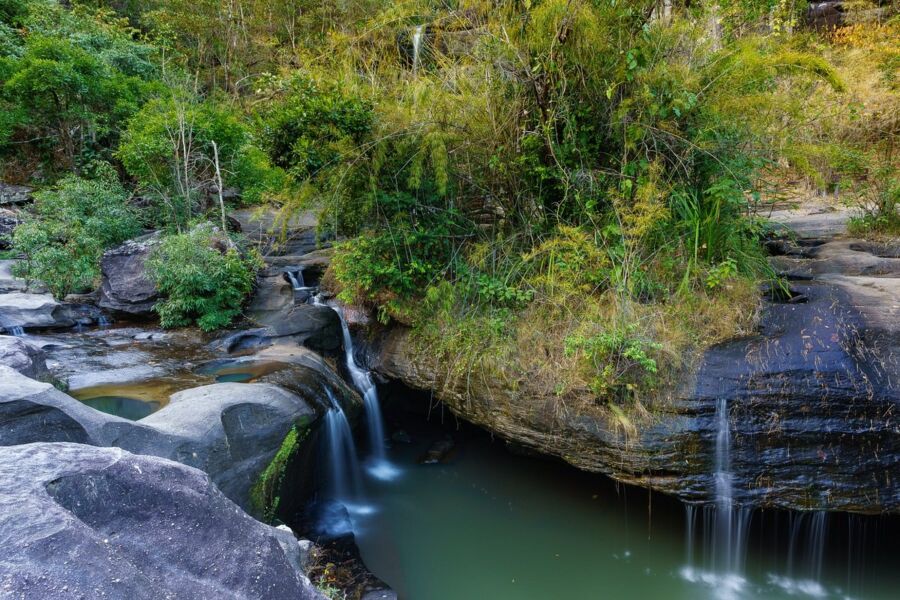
10	329
343	468
417	46
378	464
296	279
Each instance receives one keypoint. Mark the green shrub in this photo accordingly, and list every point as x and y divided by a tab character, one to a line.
203	277
620	360
69	228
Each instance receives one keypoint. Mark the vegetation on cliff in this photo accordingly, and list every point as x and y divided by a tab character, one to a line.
576	188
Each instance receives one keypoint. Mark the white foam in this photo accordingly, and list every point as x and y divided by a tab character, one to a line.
803	587
382	469
725	586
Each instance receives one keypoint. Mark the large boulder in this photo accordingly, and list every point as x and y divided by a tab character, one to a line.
314	326
125	286
33	311
232	431
31	411
21	356
84	522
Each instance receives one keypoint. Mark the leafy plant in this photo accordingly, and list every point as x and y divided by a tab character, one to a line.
620	360
203	277
70	226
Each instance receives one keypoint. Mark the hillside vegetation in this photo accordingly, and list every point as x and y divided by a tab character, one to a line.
576	188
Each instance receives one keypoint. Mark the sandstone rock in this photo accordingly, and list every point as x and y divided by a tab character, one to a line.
85	522
32	311
231	431
31	411
21	356
125	286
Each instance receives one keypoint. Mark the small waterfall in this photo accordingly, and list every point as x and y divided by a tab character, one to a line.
9	329
343	468
103	321
296	279
417	46
379	466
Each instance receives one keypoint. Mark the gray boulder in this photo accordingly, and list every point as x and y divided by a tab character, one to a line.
21	356
317	327
232	431
125	286
33	311
31	411
85	522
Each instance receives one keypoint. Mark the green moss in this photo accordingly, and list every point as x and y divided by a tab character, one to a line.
265	496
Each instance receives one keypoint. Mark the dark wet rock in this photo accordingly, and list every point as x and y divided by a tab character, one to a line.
231	431
125	287
86	522
439	452
273	297
317	327
33	311
21	356
825	15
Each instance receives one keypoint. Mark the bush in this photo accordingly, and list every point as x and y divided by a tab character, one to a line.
203	276
70	227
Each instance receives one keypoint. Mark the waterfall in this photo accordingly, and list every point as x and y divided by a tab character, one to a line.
417	46
343	469
103	321
296	279
379	466
14	330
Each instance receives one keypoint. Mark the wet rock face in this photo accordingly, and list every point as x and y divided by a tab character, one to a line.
133	527
125	286
812	399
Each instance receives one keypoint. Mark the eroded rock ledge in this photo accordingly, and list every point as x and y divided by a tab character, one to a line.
812	399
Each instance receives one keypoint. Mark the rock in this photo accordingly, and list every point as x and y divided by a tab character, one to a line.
31	411
85	522
8	223
125	286
825	15
317	327
273	297
439	452
33	311
14	194
811	402
231	431
21	356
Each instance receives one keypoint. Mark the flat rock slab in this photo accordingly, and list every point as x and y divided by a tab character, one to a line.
84	522
32	311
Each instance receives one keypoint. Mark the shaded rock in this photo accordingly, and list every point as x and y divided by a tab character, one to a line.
125	286
439	452
8	223
317	327
21	356
812	403
138	527
231	431
33	311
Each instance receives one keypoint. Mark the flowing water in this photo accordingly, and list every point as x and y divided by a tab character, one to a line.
378	465
344	480
417	46
489	524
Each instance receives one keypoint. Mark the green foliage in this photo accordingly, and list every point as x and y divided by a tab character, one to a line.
390	266
70	227
265	494
203	277
168	148
67	80
308	127
620	360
